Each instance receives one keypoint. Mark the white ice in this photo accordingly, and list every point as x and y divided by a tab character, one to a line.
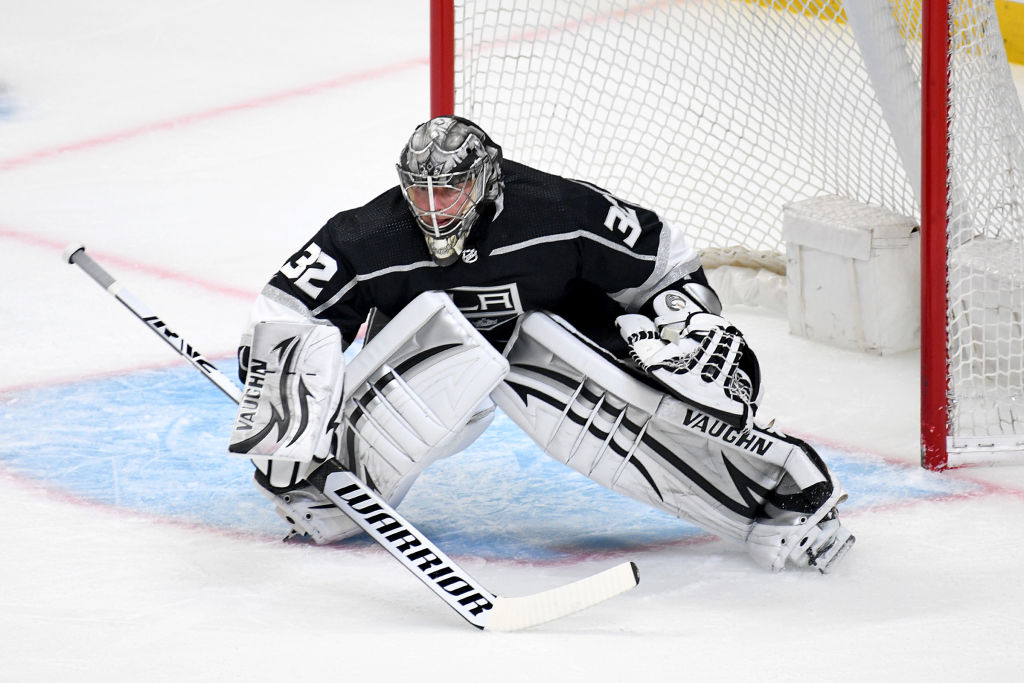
192	146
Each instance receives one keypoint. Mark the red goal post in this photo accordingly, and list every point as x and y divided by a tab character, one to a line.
935	26
719	113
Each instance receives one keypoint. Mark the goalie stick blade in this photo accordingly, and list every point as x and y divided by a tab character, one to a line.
512	614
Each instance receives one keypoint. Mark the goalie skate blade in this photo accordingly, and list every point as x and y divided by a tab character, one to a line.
512	614
828	562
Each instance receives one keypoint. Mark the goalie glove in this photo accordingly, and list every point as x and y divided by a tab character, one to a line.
698	356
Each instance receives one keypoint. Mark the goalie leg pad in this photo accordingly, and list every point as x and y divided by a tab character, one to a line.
637	440
417	392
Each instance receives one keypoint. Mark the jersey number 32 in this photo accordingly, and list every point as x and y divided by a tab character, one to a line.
311	267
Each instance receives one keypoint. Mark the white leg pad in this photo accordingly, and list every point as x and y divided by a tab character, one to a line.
584	410
417	392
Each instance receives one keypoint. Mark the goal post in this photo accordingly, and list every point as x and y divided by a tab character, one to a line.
442	57
935	26
722	113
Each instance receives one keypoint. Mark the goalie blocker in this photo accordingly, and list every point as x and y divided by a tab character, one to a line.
291	387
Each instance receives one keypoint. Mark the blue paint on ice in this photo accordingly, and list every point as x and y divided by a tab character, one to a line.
155	441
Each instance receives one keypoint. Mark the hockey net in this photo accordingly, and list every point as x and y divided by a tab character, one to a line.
720	112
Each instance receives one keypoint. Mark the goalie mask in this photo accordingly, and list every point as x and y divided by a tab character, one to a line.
448	171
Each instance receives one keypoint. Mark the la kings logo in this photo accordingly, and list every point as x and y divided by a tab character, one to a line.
488	307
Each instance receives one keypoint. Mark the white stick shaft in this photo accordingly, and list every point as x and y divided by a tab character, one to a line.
76	255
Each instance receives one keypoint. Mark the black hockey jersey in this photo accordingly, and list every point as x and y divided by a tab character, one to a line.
559	245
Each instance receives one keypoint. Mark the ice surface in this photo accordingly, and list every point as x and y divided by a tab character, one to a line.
191	148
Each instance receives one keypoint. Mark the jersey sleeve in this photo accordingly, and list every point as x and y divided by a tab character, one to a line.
316	283
629	251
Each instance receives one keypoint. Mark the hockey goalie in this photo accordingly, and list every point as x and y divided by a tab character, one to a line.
588	320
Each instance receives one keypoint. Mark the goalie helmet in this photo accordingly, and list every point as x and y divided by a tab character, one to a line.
449	170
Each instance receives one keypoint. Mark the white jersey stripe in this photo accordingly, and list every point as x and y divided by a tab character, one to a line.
369	276
571	236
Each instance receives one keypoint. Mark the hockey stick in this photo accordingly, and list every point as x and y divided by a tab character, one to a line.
376	517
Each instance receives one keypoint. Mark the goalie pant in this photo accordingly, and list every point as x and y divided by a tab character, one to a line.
759	487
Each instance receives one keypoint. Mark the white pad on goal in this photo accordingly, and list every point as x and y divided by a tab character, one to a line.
292	388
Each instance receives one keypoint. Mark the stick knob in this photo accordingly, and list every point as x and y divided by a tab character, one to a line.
72	249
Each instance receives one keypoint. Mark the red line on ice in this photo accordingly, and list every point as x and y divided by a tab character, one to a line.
45	153
46	243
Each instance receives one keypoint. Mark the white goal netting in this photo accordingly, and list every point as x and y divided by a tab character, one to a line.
719	112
